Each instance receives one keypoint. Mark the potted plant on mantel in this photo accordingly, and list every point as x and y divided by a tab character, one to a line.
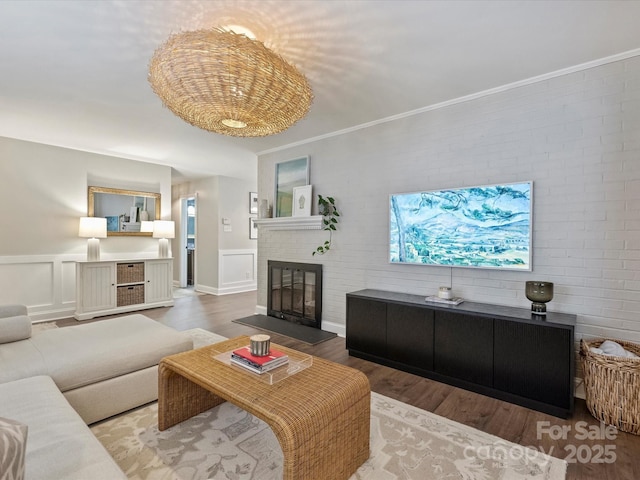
327	208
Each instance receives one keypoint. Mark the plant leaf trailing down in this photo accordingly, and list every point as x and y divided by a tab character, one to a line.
327	208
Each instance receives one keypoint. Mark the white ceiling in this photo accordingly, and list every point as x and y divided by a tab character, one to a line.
74	73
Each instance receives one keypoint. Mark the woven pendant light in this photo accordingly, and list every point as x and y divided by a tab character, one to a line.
227	83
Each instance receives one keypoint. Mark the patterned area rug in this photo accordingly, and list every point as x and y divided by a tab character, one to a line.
202	337
227	443
38	327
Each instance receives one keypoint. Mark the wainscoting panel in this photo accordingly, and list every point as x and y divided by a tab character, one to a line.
27	283
68	283
237	271
44	283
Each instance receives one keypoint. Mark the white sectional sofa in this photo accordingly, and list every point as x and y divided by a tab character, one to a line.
59	380
59	445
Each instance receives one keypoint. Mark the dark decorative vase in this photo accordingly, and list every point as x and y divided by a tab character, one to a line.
539	293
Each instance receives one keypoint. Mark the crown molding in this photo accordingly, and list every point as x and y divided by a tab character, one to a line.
528	81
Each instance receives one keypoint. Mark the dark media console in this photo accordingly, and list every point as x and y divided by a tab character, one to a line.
503	352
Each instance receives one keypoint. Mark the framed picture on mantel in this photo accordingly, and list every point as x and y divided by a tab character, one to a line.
290	174
302	201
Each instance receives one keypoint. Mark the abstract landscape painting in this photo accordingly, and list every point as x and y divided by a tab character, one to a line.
487	226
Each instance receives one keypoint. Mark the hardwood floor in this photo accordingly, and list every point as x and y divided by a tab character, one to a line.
595	457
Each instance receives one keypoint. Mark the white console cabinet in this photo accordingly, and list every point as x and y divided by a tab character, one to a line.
117	286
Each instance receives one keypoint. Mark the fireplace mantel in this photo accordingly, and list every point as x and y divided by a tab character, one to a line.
313	222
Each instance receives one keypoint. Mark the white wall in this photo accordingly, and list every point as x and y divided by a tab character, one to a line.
42	195
238	255
225	261
577	136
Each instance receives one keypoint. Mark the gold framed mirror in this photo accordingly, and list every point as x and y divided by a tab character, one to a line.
120	207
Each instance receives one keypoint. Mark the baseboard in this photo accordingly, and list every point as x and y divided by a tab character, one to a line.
50	315
336	328
260	310
238	289
248	287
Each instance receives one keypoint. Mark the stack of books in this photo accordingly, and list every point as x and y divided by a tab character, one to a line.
243	358
446	301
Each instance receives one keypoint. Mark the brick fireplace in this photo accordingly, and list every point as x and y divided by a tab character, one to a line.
295	292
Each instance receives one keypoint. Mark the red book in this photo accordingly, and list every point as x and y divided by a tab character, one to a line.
245	352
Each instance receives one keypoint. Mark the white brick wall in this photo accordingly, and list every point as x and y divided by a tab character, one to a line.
576	136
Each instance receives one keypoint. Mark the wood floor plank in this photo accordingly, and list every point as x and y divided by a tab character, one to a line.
505	420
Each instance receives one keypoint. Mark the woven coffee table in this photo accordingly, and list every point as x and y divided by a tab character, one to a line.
319	415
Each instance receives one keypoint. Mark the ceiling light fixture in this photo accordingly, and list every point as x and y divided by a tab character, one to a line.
227	83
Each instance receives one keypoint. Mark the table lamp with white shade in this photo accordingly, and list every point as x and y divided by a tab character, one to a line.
164	229
93	228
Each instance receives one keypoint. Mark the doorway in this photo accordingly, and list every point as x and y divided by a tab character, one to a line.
188	243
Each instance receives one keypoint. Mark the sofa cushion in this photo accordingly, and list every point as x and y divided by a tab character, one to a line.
14	328
13	444
12	310
60	445
93	352
20	360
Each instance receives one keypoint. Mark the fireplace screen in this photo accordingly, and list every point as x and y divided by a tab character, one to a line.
295	292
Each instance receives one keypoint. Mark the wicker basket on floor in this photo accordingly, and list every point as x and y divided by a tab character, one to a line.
612	385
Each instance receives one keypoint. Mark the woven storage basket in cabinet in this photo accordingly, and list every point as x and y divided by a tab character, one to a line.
130	295
612	385
130	272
